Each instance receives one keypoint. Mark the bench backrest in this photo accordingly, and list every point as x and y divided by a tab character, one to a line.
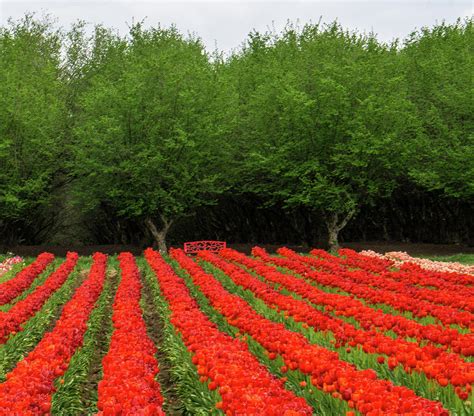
192	247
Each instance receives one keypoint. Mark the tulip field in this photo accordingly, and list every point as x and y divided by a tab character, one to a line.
234	334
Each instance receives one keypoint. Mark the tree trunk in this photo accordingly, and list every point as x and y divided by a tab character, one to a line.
159	235
334	226
333	239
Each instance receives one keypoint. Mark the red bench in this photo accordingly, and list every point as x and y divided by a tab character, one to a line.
192	247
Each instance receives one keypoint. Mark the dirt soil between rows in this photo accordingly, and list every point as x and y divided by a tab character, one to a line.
414	249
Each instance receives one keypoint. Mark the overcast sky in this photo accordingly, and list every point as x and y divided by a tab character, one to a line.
225	24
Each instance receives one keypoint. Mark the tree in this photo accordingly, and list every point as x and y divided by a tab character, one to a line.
438	66
32	118
324	118
144	137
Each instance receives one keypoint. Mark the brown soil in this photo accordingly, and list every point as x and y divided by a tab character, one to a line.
154	324
95	369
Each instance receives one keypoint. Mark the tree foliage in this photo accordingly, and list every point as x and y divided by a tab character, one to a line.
32	116
144	137
438	66
326	113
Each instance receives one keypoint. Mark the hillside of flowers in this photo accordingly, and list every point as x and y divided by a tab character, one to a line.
226	333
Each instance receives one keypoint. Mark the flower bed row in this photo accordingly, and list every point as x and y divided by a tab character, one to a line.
367	317
333	277
7	264
185	392
377	263
30	384
20	312
33	330
408	272
400	282
361	389
446	279
412	275
130	366
76	390
393	281
351	258
246	387
10	289
452	269
434	362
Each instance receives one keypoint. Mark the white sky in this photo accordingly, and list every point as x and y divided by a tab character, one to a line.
225	24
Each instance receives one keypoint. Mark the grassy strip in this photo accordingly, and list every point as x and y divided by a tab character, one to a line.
21	343
182	390
460	258
77	391
415	381
40	279
322	403
15	269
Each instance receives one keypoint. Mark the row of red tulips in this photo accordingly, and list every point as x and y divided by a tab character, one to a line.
130	367
399	282
367	317
407	272
333	277
10	289
450	272
361	389
30	385
246	387
20	312
434	362
350	258
394	281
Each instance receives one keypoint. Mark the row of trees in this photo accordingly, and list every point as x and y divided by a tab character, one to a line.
147	128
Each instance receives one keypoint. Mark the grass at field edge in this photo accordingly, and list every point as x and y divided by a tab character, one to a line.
463	258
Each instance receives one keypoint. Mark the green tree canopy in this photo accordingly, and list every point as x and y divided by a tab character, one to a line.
32	116
144	140
438	65
324	112
146	128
